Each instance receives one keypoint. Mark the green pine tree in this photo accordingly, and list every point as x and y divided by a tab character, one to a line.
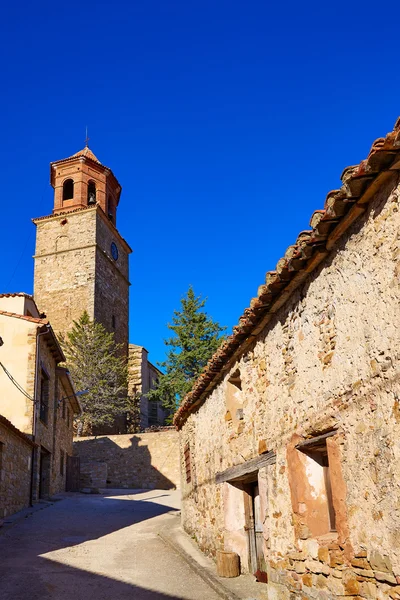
196	338
95	363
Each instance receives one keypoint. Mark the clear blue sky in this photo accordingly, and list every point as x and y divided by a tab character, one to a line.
226	123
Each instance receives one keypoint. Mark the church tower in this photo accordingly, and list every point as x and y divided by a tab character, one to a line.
81	260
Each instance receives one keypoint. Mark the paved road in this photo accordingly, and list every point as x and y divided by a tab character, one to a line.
98	547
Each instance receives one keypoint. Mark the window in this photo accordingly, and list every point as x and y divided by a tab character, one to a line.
68	189
63	408
315	499
234	401
188	468
44	396
67	416
62	458
91	193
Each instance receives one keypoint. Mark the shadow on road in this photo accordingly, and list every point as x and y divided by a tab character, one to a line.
26	571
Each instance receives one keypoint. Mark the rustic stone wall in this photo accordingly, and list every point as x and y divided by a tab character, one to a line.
93	475
15	469
328	360
145	460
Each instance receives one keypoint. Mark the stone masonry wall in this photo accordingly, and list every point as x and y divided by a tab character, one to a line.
15	469
329	359
64	275
146	460
111	282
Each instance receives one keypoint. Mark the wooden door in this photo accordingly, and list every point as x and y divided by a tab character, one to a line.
254	529
73	474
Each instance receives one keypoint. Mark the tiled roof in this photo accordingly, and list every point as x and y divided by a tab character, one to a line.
85	152
24	317
17	432
341	208
15	294
88	153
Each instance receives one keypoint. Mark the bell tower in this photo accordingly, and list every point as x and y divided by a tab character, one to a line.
81	260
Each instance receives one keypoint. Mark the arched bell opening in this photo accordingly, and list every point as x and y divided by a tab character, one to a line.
91	193
68	189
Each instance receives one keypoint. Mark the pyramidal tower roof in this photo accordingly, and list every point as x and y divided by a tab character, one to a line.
86	152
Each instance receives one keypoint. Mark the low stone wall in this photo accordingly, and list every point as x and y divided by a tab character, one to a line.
15	469
145	460
93	475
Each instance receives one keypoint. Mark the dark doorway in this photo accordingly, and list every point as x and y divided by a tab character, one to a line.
73	474
44	474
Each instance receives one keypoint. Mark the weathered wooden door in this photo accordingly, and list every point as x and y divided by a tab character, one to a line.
73	474
254	529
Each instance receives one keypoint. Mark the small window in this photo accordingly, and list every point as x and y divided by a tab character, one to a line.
317	503
68	416
234	400
68	189
63	408
62	458
91	193
44	396
188	467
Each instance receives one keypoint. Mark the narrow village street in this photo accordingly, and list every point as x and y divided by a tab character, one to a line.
98	546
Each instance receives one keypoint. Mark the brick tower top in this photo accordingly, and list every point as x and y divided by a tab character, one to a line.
81	181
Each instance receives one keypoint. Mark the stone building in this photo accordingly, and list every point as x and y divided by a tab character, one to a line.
144	376
36	395
289	439
15	468
81	260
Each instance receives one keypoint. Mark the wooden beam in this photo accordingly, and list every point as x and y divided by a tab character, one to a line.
315	441
250	466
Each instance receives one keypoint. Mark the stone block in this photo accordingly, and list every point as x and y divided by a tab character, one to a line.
385	576
380	562
316	567
323	554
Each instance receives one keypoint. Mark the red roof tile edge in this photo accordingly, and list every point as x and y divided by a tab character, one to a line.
357	180
16	294
24	317
16	431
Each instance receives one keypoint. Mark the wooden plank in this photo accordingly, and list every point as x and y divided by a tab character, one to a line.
250	466
315	441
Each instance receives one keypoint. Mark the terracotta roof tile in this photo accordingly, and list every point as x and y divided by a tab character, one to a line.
86	151
25	317
15	294
310	248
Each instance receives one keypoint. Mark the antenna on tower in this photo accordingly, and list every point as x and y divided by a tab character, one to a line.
87	139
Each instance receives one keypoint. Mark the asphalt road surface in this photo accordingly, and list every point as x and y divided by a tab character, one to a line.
98	547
